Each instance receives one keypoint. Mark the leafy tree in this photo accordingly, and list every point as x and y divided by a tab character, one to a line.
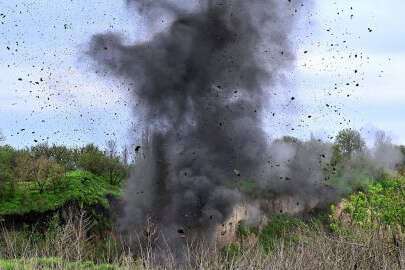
347	142
93	160
40	150
7	163
47	172
42	171
115	169
64	156
24	166
336	155
55	176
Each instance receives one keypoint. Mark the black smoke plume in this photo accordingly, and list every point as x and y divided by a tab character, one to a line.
203	85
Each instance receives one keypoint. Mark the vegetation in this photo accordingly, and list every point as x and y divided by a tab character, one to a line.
80	186
401	167
39	181
381	206
71	190
51	263
347	143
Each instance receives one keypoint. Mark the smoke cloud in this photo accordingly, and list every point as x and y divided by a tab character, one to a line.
202	87
204	84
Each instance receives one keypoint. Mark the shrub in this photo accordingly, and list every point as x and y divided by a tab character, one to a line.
279	228
382	204
82	187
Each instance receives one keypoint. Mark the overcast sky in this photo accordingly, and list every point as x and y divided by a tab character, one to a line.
352	74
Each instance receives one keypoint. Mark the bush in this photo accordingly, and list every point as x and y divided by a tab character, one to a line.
382	204
82	187
280	228
98	163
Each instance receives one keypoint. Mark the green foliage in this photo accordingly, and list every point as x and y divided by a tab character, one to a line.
280	228
115	170
7	163
337	156
243	230
97	162
82	187
358	181
64	156
401	168
52	263
46	178
24	165
93	160
232	250
383	204
349	141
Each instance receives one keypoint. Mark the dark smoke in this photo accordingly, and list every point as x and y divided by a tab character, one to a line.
204	85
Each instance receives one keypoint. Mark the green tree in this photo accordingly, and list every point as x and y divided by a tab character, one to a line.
93	160
42	171
24	166
116	170
347	142
41	150
64	156
7	164
56	175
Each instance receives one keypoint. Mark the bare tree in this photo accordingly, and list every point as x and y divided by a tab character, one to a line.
2	137
111	148
125	155
113	164
42	170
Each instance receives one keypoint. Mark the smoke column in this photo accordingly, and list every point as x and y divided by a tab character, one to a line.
203	85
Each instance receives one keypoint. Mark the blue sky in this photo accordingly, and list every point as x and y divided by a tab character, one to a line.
61	99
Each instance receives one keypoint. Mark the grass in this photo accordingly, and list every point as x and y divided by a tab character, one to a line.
280	228
51	263
311	249
82	187
285	242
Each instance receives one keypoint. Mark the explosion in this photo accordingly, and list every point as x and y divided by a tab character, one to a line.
203	86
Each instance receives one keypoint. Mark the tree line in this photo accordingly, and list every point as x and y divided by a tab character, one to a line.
44	165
